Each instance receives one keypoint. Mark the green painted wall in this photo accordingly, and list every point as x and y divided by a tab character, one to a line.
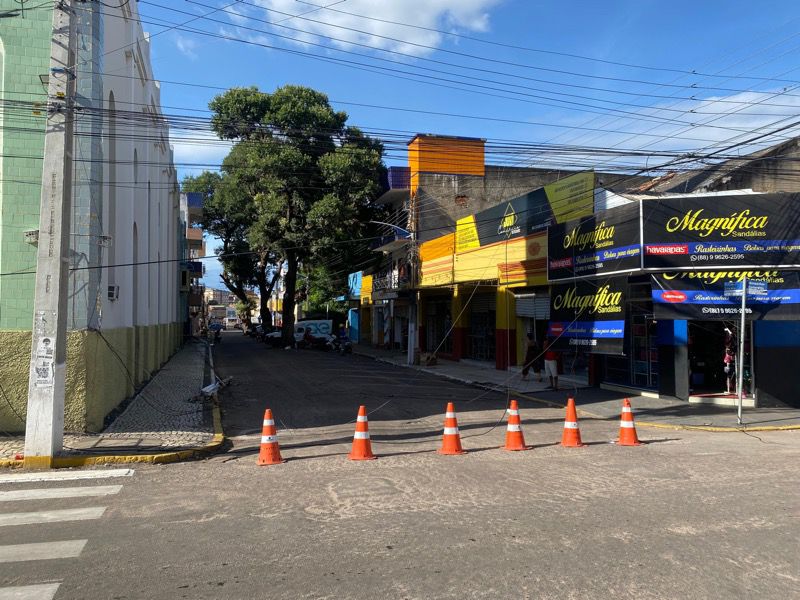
100	372
25	48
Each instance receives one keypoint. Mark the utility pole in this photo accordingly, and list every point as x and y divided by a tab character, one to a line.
740	359
413	264
44	424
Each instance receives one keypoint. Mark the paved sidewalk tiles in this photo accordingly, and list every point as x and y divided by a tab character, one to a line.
166	415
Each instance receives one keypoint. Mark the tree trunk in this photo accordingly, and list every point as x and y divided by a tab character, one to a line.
265	287
289	297
238	290
266	293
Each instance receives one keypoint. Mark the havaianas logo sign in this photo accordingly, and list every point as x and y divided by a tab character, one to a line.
602	301
599	237
739	224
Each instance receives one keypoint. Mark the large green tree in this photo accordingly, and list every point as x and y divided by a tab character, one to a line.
311	178
226	215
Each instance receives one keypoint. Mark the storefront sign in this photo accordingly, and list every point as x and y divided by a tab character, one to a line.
557	202
603	243
589	314
710	295
749	230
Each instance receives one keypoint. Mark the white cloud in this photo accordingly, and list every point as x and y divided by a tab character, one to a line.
709	124
186	46
447	15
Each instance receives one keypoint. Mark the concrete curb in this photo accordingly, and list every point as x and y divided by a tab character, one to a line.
676	427
65	462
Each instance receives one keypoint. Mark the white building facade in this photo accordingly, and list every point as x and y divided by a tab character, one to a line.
125	318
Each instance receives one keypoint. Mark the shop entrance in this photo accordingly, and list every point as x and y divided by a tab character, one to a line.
707	343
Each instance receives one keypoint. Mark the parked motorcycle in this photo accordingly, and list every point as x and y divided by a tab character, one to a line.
341	345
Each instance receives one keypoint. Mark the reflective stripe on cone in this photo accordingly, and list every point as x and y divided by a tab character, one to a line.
514	439
451	438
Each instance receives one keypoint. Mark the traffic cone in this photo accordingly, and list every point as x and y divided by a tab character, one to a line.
514	437
270	453
451	440
627	429
572	434
362	449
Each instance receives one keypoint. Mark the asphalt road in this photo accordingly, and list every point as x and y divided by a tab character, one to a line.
688	515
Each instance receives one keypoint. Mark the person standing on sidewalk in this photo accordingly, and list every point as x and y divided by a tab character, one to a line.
551	363
533	359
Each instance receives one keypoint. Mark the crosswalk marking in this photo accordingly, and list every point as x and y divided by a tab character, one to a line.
41	591
64	492
64	475
51	516
41	551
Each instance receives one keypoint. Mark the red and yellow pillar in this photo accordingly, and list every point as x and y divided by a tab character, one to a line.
505	329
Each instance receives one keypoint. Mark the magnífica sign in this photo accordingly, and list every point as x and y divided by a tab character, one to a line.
722	232
589	314
700	295
603	243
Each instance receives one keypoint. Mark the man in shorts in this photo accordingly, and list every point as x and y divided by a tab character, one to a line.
551	363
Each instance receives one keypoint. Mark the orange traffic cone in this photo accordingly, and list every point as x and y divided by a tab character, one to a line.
627	429
572	435
514	437
270	453
451	440
362	449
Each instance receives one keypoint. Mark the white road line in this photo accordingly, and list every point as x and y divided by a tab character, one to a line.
41	551
64	492
63	475
41	591
51	516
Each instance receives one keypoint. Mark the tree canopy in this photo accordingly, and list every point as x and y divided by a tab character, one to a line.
298	181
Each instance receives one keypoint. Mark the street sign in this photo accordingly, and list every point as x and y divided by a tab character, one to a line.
733	289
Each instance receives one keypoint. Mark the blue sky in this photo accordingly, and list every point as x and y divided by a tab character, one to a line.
695	74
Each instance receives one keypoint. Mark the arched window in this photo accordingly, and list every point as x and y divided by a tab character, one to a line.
112	188
2	87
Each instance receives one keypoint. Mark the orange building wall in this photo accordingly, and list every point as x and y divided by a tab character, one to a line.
435	154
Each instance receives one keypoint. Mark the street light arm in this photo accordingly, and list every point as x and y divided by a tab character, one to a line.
396	227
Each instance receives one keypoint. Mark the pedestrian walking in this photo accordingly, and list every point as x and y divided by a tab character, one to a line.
533	359
551	363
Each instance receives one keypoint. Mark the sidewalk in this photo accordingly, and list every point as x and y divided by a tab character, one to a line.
169	419
597	403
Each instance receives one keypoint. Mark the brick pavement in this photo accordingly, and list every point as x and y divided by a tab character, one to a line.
167	414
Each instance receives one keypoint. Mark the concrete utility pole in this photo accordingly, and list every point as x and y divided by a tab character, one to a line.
44	424
740	359
413	265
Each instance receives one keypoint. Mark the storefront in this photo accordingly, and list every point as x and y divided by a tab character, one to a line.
481	342
637	365
437	323
686	265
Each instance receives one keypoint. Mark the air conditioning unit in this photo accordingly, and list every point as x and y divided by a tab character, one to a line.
113	292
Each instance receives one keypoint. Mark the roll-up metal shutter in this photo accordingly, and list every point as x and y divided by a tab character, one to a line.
483	303
537	307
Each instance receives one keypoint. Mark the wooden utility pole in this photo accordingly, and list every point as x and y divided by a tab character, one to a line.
44	423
